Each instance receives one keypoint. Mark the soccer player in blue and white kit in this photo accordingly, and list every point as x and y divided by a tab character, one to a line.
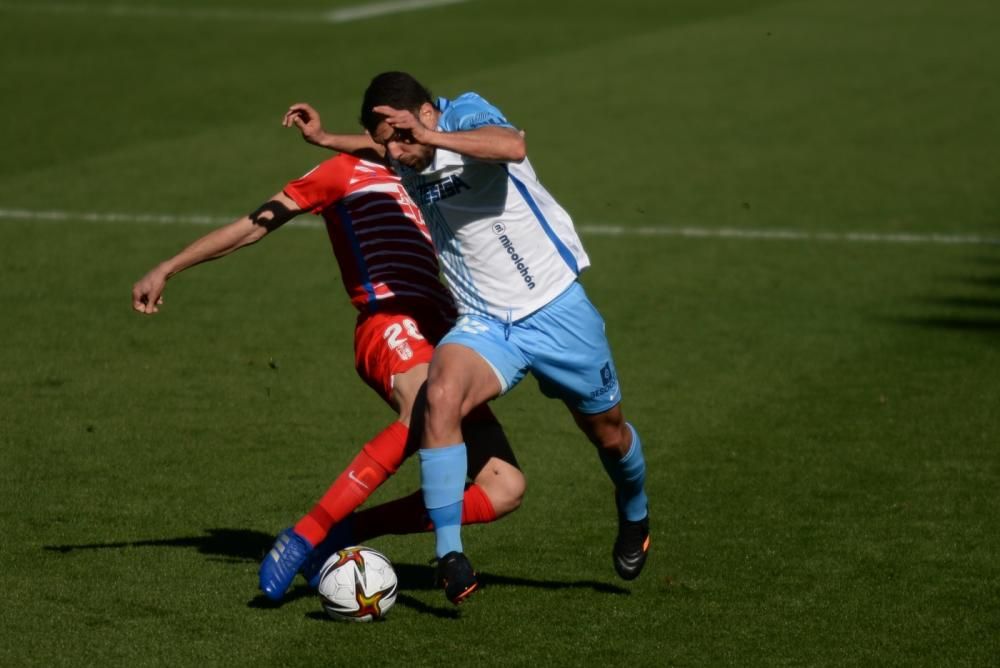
512	259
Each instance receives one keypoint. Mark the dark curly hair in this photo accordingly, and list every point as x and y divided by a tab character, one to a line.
395	89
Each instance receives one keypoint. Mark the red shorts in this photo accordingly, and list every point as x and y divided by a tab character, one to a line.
386	344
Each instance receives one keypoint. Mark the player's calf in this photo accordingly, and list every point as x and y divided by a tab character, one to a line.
629	475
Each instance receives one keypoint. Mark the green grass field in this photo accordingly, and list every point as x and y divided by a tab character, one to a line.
820	412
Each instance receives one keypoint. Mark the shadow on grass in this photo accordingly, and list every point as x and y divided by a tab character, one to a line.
247	545
261	602
985	281
417	577
984	304
974	310
237	545
401	599
241	545
955	324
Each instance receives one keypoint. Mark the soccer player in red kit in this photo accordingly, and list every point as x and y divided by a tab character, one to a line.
390	271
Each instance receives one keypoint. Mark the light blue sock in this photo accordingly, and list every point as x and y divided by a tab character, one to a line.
629	476
442	478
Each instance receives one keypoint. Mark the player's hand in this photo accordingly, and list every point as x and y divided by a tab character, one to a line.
306	119
147	293
401	119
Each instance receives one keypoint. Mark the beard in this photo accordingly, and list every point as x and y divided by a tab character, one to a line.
417	161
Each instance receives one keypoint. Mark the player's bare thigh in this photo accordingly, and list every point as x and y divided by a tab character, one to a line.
459	379
492	464
406	387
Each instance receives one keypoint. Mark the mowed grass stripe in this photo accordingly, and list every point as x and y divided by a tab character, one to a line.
205	130
587	229
151	11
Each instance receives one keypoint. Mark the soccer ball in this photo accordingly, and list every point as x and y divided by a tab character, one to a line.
357	584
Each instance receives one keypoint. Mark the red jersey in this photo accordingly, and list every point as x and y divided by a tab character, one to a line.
380	239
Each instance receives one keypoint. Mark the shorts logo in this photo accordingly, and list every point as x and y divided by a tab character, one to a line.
499	228
470	326
608	381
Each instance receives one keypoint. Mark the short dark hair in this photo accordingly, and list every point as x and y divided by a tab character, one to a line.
395	89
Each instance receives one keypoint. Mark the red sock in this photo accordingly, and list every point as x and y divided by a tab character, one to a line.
408	515
379	459
392	446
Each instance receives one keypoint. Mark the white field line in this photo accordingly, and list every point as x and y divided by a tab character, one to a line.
585	229
341	15
788	235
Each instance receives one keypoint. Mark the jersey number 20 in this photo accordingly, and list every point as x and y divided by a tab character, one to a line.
393	331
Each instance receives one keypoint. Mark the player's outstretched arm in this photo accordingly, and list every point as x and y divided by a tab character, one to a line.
486	143
306	119
147	293
490	142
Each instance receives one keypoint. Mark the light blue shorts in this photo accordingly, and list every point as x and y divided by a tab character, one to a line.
563	344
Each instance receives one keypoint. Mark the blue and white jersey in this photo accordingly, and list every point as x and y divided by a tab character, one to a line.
506	246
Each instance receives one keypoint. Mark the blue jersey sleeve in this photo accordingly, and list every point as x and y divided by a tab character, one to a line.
468	112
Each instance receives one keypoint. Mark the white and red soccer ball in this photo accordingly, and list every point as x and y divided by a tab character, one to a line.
357	584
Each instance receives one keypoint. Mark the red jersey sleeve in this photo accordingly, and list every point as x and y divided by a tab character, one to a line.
323	185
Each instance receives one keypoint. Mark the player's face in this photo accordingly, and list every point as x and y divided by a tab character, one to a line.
402	147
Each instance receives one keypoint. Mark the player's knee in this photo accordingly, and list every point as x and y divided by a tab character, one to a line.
612	437
443	409
505	489
443	398
507	498
607	431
